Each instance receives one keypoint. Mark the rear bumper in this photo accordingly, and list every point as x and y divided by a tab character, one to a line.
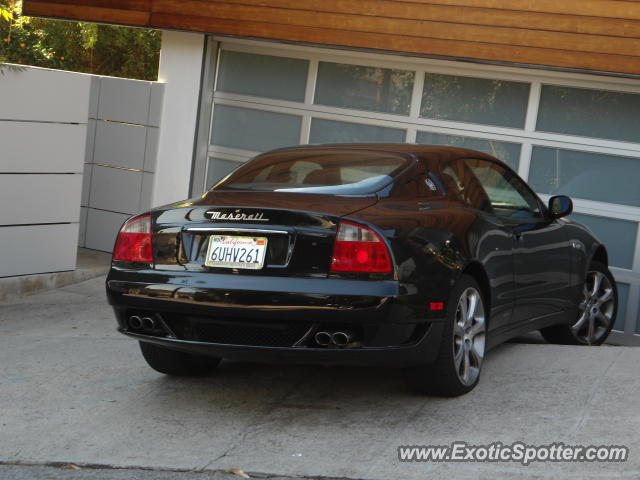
423	352
391	332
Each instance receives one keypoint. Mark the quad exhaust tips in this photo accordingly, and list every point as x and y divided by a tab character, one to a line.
149	323
142	323
323	339
341	339
338	339
135	322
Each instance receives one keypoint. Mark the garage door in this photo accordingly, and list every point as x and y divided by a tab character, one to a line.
565	133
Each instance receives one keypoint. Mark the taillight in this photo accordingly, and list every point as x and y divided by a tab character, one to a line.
359	249
134	241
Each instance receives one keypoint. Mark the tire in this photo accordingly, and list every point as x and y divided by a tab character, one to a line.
176	363
596	311
463	343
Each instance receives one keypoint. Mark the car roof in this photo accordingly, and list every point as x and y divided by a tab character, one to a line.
431	153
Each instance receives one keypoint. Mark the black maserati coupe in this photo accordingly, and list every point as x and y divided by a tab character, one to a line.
413	256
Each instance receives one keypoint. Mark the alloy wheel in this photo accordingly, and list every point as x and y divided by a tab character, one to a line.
469	334
596	309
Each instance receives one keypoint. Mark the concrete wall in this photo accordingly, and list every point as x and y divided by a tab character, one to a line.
43	131
181	61
120	161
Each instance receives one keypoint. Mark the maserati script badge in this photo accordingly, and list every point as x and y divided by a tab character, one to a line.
236	216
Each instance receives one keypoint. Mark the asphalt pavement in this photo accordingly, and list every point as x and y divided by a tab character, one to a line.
74	391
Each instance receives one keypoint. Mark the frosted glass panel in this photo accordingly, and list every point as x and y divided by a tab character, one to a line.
254	129
475	100
623	295
364	88
263	75
589	113
508	152
218	169
329	131
592	176
618	236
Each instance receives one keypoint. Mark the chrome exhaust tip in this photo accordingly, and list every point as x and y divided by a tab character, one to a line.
135	322
341	339
323	339
149	323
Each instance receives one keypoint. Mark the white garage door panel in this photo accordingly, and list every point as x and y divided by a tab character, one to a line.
31	147
30	249
42	198
565	134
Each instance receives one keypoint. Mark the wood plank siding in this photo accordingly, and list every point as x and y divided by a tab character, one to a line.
590	35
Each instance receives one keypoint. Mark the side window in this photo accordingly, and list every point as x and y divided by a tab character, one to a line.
457	177
508	195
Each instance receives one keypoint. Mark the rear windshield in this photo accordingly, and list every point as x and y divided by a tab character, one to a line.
310	171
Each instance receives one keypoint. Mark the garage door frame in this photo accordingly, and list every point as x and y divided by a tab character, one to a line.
527	137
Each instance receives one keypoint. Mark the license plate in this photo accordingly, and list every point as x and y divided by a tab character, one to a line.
236	252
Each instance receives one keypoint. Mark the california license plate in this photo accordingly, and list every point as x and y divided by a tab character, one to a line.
236	252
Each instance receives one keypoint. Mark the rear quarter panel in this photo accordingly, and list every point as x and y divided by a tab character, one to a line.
432	245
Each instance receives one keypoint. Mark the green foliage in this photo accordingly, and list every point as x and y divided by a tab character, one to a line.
5	14
77	46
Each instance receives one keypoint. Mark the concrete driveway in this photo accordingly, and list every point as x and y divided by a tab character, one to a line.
73	390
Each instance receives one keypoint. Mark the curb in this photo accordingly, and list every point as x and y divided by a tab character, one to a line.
90	264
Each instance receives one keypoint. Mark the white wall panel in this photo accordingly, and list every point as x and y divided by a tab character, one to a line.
151	152
38	249
86	184
120	144
54	127
125	123
155	108
39	198
102	229
82	230
115	189
43	134
31	147
94	96
146	191
38	94
91	140
124	100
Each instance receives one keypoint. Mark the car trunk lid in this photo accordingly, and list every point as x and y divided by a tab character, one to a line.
299	230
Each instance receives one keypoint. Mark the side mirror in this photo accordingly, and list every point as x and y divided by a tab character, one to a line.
560	206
